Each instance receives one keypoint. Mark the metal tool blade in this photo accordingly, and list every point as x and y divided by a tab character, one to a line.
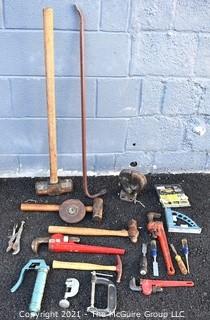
155	268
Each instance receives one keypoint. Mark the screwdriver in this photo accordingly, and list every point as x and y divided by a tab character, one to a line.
185	251
154	255
143	263
179	260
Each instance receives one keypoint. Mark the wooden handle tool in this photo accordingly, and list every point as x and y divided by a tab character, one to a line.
38	207
87	231
50	91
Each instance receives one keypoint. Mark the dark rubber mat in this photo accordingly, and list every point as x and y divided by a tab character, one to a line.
191	303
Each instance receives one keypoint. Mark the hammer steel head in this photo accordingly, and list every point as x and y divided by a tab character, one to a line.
118	268
133	231
97	209
44	188
153	215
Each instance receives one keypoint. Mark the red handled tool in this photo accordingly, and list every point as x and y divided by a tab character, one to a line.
63	243
156	229
149	286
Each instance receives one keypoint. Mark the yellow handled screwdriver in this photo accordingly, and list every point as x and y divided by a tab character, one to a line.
179	261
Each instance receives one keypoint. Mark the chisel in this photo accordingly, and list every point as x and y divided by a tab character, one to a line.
179	260
143	263
185	251
154	255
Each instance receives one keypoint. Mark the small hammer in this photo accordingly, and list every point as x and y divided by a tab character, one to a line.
90	266
132	232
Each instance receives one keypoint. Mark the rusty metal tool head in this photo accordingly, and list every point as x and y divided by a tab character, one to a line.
90	266
54	186
70	211
132	233
133	183
83	108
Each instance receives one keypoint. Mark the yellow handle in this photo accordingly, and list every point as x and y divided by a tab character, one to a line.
81	266
181	264
50	91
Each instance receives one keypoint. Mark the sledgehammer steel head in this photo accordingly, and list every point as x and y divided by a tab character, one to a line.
54	189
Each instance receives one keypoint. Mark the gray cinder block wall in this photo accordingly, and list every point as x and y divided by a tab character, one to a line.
148	76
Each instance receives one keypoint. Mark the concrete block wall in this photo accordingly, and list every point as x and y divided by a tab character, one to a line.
148	86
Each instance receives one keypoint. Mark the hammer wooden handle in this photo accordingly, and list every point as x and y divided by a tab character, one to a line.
81	266
50	91
87	231
39	207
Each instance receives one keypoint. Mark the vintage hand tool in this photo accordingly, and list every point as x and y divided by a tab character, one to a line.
61	243
90	266
154	256
149	286
83	107
37	295
179	261
97	279
55	186
131	233
156	229
185	251
71	211
180	222
14	241
72	288
143	263
133	182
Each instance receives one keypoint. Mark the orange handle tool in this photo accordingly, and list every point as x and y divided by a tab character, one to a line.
156	228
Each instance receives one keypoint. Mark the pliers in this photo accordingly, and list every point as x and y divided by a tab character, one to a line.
14	241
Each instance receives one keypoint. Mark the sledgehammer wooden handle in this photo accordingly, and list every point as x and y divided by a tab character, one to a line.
39	207
87	231
50	90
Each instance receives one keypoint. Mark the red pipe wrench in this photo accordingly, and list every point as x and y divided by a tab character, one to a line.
149	286
156	228
63	243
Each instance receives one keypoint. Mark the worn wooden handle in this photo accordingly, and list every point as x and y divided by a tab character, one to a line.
39	207
80	266
181	264
50	91
88	231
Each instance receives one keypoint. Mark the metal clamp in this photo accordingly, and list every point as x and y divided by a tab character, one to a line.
72	288
111	296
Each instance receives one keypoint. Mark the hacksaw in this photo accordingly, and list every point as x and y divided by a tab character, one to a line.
187	225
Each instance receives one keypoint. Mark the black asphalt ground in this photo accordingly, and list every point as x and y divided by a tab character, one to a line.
191	303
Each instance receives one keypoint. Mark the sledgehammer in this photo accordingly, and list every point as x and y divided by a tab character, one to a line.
55	186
